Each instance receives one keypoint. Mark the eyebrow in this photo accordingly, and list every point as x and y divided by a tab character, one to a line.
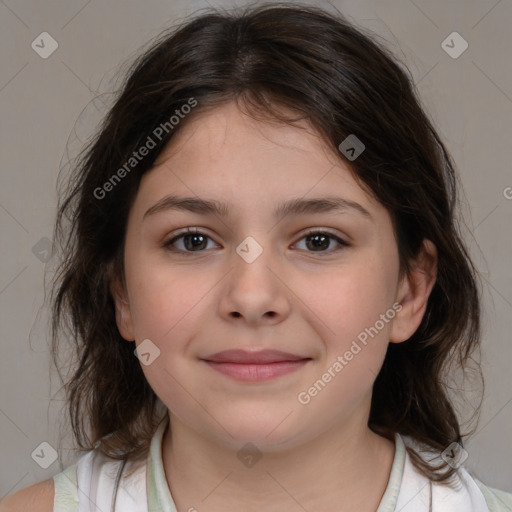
297	206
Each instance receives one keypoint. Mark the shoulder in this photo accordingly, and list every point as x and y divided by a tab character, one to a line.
497	500
36	498
462	492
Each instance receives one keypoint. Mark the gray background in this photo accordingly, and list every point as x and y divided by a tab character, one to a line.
469	99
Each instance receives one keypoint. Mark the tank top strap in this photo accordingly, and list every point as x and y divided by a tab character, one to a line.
96	482
66	490
419	494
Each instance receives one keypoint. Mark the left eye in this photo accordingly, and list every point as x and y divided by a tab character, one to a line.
321	239
195	241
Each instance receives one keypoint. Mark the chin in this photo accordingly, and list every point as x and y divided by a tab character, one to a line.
268	432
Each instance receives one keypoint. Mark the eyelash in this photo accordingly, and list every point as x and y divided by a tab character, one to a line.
168	244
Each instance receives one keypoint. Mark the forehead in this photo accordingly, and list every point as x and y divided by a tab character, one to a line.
218	132
224	153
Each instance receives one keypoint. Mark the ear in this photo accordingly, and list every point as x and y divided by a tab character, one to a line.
413	293
123	312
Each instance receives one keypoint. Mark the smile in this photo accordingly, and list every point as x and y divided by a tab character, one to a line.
257	372
255	366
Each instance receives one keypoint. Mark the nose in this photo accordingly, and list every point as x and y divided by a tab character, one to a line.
255	292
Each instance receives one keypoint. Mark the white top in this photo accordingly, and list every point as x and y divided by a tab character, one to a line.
90	485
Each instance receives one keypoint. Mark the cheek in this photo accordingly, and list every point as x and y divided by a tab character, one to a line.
165	302
352	307
358	294
355	339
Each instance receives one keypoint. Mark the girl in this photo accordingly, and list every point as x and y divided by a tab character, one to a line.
265	283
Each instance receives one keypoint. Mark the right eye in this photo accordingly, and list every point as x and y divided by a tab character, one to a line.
192	241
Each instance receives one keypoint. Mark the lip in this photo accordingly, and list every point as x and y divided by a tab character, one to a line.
258	357
255	366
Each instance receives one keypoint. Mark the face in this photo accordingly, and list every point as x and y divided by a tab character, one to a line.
309	282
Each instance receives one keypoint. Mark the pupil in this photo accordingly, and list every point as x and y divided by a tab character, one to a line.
319	243
196	238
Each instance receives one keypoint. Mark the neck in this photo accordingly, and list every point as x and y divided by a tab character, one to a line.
343	469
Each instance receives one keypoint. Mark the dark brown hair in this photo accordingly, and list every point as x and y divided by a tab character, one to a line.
322	69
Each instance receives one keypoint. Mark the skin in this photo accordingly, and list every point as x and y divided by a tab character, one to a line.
293	297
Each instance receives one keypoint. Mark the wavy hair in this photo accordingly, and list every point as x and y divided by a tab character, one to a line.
320	68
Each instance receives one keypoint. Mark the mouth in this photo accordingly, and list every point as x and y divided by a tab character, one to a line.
255	366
